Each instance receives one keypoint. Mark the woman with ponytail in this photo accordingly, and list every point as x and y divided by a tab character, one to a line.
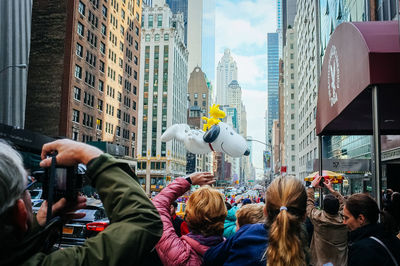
286	201
279	241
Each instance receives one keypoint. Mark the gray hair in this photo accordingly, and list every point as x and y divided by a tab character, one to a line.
12	176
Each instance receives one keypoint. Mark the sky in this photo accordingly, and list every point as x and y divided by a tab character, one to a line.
242	26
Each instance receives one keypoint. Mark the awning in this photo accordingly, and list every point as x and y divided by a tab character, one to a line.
358	56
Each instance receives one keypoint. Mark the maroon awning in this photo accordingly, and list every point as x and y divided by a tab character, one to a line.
359	55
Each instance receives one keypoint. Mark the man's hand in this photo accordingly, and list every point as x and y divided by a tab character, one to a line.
69	152
328	185
202	178
315	182
61	209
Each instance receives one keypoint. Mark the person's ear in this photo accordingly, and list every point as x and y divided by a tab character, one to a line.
20	214
361	219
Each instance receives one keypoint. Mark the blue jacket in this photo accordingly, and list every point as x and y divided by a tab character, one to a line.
230	222
246	247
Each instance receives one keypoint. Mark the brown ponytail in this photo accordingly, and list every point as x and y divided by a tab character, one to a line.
285	244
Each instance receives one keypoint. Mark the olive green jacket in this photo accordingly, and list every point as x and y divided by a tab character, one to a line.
135	225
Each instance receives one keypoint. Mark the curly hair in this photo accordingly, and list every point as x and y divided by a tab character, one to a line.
206	212
285	243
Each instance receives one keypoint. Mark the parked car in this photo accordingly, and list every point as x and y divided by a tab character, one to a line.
78	230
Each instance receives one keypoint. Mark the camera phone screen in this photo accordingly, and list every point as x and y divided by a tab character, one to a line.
61	181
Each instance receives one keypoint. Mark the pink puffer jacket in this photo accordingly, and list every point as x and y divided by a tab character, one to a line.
172	249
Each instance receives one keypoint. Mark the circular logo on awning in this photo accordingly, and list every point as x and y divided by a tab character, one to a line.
333	75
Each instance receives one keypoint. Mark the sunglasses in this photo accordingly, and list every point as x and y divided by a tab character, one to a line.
31	182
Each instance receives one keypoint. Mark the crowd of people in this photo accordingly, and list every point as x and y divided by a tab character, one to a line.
289	229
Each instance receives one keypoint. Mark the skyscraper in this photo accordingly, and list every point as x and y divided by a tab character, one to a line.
226	72
307	85
235	100
273	82
290	102
84	71
163	94
289	13
180	6
280	9
194	34
208	40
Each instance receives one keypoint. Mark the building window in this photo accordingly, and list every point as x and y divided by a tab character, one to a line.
79	50
292	137
203	95
195	95
77	93
75	135
122	30
78	72
292	76
293	168
137	31
99	124
122	14
147	37
100	105
81	29
103	29
157	37
135	74
81	8
104	11
75	116
136	45
292	55
101	66
292	96
102	48
133	121
150	22
204	103
135	60
166	37
159	20
293	158
101	85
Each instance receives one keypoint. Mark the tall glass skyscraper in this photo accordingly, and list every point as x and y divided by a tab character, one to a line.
180	6
279	23
273	82
208	39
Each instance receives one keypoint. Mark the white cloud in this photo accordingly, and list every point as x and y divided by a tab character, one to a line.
244	23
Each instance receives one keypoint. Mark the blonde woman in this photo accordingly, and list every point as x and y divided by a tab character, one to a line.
278	241
205	214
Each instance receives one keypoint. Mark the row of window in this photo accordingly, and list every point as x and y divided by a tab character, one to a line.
157	37
88	121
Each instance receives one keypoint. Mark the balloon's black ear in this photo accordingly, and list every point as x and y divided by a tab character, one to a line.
211	134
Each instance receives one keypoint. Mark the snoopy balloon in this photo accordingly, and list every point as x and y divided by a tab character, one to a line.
218	137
